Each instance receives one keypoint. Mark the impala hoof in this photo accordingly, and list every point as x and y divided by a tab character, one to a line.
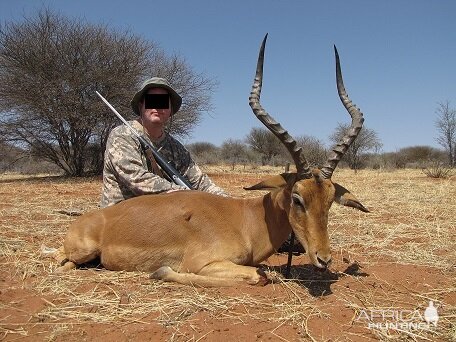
161	273
260	279
65	266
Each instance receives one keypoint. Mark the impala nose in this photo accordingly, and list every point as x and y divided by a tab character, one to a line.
324	263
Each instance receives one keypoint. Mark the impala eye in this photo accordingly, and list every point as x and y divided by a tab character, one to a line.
298	200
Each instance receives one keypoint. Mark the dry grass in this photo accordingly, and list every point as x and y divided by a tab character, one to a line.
413	218
379	259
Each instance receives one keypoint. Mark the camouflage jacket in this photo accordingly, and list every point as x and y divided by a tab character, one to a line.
128	172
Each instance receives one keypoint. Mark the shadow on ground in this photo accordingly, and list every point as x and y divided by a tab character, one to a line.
318	282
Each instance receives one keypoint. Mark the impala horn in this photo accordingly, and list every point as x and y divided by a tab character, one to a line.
302	167
357	123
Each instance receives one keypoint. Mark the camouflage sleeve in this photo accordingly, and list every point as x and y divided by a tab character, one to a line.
130	166
201	181
184	163
127	172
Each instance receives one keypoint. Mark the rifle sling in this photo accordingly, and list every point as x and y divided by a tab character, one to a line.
155	168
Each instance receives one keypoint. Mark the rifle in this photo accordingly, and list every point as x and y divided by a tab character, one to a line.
150	150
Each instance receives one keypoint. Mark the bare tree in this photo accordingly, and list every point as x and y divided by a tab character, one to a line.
314	149
204	152
265	143
366	141
446	127
234	152
50	67
195	88
417	156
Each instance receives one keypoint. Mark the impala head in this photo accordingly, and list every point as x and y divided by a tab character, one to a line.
308	193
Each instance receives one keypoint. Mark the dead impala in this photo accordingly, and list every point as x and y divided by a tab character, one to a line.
193	237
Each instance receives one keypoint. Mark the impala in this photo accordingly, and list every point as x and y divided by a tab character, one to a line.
193	237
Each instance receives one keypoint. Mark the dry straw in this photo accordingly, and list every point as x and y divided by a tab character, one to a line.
412	224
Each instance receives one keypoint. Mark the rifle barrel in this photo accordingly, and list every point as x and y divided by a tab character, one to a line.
168	168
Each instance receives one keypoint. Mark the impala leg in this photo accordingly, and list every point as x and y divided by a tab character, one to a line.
230	270
75	251
61	258
166	273
218	274
67	266
59	255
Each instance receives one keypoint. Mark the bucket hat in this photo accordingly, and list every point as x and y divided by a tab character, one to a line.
156	82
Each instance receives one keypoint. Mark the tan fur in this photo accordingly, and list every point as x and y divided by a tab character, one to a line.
193	237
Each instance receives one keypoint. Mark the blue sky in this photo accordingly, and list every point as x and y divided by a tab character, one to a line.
398	58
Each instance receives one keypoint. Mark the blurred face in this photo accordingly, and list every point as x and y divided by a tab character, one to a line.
152	115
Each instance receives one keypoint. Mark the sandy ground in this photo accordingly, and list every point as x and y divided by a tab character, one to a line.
388	265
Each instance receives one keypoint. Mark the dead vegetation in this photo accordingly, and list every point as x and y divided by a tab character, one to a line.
394	260
436	169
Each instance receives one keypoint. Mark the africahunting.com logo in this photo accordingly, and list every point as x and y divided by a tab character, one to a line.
400	319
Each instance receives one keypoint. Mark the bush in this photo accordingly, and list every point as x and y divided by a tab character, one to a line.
437	169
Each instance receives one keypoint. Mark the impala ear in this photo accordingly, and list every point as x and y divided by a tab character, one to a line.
274	182
345	197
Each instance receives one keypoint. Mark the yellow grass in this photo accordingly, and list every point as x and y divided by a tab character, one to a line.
412	223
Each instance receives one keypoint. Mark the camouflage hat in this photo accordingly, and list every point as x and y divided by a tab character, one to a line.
156	82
